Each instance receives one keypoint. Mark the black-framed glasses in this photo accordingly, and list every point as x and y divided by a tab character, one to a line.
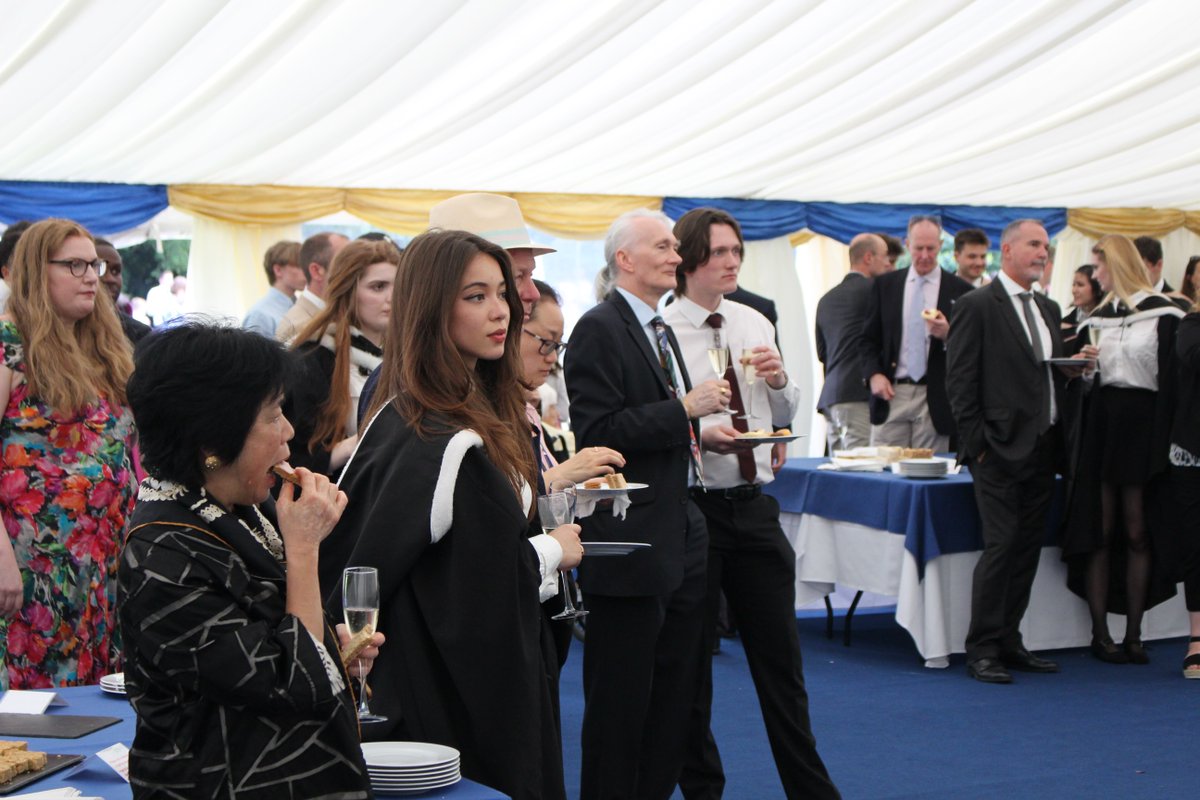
547	346
78	266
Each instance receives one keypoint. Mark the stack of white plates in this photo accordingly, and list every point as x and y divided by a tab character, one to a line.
113	684
398	768
923	467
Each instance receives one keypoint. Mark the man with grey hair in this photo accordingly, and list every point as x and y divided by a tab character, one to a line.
1006	401
840	316
316	256
903	345
630	390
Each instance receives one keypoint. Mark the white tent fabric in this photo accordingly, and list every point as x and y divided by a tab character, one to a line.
1059	103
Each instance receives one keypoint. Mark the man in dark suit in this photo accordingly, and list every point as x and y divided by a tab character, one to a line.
1151	251
840	316
111	279
1006	401
903	345
630	390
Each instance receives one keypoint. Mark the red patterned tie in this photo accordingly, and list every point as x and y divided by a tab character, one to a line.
746	463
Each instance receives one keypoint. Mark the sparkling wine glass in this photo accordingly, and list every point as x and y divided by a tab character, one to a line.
555	508
750	374
841	426
1093	332
360	610
718	356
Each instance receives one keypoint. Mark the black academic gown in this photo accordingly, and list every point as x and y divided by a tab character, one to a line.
459	604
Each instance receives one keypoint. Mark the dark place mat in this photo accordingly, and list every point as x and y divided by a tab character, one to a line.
53	764
52	726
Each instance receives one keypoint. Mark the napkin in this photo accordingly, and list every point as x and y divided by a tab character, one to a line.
53	794
586	504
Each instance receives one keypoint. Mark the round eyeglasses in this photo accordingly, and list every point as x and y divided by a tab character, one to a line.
547	346
78	266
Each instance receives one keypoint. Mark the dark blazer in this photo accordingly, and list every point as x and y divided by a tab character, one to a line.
840	316
995	386
620	398
763	305
882	332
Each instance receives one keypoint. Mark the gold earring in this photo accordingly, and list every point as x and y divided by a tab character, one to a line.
211	463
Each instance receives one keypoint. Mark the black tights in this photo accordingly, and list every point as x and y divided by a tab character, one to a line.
1129	500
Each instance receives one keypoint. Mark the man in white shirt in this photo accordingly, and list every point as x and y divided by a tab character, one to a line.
970	254
316	256
749	557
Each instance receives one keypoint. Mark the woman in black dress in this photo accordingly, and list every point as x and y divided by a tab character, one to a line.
1184	455
1124	445
338	349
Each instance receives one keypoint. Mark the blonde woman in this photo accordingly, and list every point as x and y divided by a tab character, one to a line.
338	349
1124	449
66	486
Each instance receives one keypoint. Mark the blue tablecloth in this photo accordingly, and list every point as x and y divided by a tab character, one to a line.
94	778
934	516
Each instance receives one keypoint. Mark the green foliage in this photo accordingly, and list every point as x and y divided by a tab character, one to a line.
143	263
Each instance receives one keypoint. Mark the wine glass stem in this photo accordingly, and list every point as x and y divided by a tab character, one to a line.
568	603
363	708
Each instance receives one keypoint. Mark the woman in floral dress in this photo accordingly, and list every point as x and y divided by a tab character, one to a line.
65	474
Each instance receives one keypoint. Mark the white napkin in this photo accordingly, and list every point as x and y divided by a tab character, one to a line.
855	465
585	504
53	794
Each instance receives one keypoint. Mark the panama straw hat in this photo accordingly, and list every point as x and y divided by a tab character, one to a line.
494	217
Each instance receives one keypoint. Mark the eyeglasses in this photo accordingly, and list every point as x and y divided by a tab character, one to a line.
79	267
547	346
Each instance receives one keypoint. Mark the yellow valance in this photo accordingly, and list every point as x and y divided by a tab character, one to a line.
1158	222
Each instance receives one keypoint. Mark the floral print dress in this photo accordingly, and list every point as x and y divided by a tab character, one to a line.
66	491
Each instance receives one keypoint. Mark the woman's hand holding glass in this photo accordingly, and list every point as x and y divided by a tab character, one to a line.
366	659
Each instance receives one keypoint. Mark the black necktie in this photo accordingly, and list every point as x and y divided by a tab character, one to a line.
746	463
1035	338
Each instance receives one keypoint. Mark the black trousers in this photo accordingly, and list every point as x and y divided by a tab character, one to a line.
1013	500
750	558
1185	496
641	671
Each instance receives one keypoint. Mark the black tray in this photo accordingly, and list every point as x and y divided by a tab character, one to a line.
52	726
53	764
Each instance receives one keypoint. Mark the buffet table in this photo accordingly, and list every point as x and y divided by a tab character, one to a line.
918	541
94	778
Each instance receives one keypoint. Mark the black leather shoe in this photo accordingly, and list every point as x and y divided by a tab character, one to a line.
1026	661
988	670
1106	651
1135	652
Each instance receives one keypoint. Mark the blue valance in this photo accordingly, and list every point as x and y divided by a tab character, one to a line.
102	208
769	219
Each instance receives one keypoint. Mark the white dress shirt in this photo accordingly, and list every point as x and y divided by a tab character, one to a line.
933	283
1129	349
744	328
1043	330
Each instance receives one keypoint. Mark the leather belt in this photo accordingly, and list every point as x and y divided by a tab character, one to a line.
911	382
745	492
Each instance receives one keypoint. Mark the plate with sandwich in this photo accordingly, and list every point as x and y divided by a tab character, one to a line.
762	436
607	485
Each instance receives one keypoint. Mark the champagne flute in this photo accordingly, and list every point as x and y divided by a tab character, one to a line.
841	427
718	356
360	610
750	374
1094	340
555	508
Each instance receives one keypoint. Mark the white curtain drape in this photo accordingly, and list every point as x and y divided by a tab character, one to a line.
225	274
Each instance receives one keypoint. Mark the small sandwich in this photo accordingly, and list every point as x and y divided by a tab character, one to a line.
916	452
783	432
616	481
930	313
285	471
358	642
594	483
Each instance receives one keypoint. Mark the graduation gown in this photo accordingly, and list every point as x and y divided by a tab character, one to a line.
1082	530
458	603
234	698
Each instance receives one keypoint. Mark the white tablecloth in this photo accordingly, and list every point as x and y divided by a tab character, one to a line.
936	610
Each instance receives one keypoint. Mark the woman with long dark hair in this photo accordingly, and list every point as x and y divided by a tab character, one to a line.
1085	295
441	488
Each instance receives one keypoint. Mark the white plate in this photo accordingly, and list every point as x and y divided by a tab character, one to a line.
1072	362
117	692
791	437
408	754
413	783
606	491
413	773
384	791
612	548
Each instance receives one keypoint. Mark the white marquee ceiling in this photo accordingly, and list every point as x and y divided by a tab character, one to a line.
1093	103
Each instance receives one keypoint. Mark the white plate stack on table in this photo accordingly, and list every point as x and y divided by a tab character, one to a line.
113	684
403	768
922	467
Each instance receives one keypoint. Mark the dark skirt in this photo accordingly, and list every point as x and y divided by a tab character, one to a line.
1120	434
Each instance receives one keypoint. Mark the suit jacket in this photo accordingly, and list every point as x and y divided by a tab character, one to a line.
840	316
296	318
620	398
996	387
882	332
763	305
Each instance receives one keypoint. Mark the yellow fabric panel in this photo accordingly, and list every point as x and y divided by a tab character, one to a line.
579	216
1158	222
800	237
256	205
401	211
